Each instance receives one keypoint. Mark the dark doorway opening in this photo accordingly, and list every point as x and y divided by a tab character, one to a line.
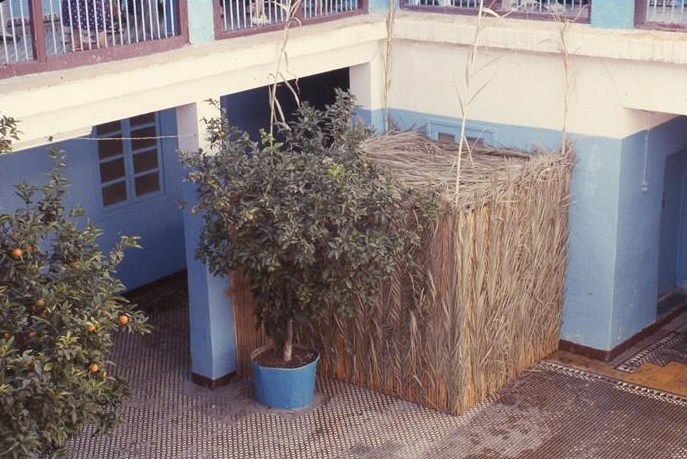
250	110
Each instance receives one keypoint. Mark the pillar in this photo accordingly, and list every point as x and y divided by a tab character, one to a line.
616	14
200	19
213	337
367	85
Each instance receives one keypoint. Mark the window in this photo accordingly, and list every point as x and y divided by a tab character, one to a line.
129	159
448	131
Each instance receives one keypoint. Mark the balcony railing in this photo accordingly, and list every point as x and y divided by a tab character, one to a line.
668	14
245	16
47	34
576	10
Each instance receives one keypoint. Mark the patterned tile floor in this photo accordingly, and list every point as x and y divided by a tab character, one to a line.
657	361
552	411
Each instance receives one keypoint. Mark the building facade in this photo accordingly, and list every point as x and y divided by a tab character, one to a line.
122	85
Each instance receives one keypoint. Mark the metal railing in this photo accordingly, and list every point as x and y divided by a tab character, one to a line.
578	10
17	40
247	15
38	31
665	12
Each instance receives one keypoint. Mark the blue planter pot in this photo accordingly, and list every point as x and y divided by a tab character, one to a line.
284	388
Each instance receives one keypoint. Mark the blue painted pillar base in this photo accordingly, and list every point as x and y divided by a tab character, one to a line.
213	336
365	84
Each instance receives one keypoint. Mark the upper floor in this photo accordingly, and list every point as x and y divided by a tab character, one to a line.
44	35
91	66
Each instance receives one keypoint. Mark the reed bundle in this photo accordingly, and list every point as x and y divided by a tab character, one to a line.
483	300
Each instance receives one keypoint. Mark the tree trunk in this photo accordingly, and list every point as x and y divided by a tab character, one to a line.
288	341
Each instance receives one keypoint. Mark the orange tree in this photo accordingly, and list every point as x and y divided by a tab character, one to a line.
59	308
310	221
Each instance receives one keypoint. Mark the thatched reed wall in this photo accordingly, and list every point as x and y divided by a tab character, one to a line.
487	301
248	336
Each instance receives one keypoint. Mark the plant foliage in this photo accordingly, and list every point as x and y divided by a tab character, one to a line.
8	133
59	307
311	222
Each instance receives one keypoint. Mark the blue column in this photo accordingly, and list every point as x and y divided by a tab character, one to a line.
592	246
613	14
213	336
200	21
381	6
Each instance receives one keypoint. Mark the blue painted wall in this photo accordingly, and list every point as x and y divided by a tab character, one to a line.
639	233
639	221
617	186
592	251
157	220
615	216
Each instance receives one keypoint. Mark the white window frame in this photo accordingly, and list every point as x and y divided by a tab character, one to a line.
128	153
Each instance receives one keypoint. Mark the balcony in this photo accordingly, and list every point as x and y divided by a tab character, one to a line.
648	14
238	17
41	35
570	10
661	14
44	35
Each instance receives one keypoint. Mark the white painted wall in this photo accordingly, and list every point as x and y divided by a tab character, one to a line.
64	104
519	75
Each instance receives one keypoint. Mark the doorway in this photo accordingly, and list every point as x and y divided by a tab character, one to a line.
671	291
250	110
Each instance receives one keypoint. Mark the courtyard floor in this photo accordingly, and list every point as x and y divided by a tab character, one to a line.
558	409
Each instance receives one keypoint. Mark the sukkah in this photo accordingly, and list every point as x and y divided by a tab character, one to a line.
486	302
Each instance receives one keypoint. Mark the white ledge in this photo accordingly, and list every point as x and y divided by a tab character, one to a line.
540	36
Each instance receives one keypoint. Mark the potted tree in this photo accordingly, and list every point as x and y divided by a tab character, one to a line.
309	221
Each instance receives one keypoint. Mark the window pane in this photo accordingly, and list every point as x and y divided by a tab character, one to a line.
142	119
112	194
109	148
112	170
145	161
146	184
139	144
108	128
474	140
445	137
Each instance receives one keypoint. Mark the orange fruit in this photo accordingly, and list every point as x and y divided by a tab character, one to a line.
40	303
31	334
123	319
90	328
93	368
16	253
